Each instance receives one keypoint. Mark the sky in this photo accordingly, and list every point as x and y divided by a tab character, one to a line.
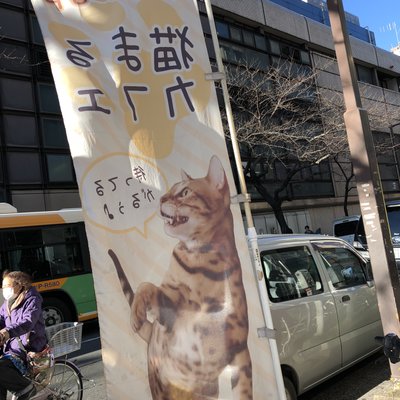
380	16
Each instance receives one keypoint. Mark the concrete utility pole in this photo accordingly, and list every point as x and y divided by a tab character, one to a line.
368	180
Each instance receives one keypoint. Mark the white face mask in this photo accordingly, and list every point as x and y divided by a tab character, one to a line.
8	293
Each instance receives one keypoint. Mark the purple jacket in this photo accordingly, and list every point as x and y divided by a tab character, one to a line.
26	321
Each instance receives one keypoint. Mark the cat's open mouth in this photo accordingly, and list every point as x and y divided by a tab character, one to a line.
175	219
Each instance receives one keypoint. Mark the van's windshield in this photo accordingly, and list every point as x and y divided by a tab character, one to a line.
346	228
352	230
355	228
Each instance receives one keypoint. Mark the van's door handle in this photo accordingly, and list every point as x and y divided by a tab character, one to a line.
345	298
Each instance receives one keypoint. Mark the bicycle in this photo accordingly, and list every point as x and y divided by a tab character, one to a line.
60	378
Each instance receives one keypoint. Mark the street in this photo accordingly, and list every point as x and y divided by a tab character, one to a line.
351	384
89	361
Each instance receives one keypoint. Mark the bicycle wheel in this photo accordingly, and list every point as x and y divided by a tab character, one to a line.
66	382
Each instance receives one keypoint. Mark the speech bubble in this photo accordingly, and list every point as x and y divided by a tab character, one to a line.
121	192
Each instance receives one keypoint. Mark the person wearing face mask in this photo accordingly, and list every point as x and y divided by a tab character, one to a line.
22	330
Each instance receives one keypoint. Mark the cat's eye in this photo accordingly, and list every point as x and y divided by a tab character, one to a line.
185	192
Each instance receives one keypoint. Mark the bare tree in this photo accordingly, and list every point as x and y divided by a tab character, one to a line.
347	172
385	148
285	125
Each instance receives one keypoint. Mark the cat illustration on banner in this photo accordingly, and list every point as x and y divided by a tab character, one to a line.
201	321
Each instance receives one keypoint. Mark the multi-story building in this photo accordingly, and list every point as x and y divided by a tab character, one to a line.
36	171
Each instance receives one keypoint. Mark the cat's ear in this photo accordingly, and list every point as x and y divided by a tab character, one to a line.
216	173
185	176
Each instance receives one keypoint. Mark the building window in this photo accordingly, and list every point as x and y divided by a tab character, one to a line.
248	38
236	54
386	161
60	168
36	32
222	29
236	33
48	99
284	50
16	94
261	43
20	130
15	3
54	135
304	190
312	182
23	168
388	81
43	69
305	57
15	58
12	24
274	47
365	74
253	49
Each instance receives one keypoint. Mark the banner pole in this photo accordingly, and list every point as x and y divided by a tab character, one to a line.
251	231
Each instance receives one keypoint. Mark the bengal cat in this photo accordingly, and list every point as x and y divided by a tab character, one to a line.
200	321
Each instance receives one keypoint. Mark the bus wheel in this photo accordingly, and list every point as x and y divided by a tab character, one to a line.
55	311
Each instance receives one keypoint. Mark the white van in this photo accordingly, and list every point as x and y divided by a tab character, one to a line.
351	229
323	304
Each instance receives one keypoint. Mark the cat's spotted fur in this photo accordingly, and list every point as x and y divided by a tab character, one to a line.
201	322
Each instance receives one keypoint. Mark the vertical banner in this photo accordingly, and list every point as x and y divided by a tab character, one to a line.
177	298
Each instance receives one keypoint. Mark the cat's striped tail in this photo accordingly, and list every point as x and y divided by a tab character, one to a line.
145	330
126	287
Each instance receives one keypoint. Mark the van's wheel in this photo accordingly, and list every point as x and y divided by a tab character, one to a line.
290	390
55	311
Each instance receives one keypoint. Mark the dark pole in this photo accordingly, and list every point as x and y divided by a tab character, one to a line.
369	186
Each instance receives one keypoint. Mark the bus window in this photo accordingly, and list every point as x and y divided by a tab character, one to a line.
30	260
63	250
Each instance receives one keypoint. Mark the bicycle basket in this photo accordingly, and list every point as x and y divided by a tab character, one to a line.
64	338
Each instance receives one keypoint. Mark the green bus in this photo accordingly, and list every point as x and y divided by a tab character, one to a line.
52	247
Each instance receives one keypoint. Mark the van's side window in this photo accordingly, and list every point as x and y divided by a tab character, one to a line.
291	273
345	269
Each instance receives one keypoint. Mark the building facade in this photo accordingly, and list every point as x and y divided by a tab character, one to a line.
300	31
36	171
